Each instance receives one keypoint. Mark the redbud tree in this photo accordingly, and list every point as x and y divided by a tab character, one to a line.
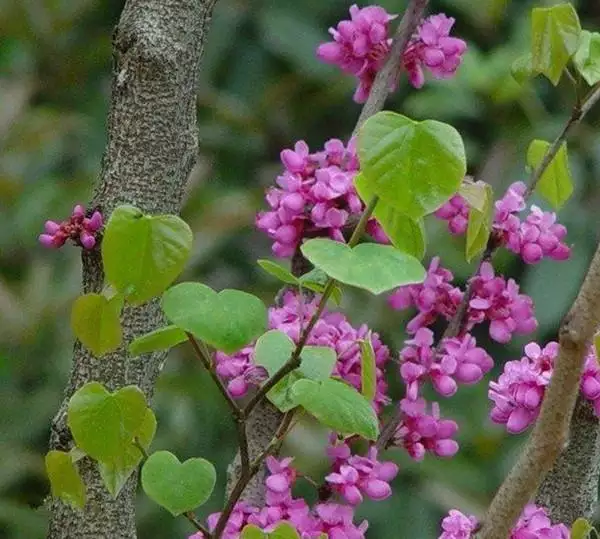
351	214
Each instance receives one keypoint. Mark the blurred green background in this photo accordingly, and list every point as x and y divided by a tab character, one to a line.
261	89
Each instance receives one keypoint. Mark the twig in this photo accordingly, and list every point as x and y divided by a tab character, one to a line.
253	469
189	514
456	323
551	429
204	356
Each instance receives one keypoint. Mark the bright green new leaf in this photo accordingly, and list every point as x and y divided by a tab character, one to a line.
252	532
581	529
96	322
405	233
177	486
104	424
272	350
376	268
587	57
413	166
597	346
115	473
144	254
277	271
555	33
474	193
284	531
480	223
338	406
555	185
281	394
228	320
65	481
159	339
317	362
368	372
521	69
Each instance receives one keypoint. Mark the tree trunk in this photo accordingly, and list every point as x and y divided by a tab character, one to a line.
151	149
570	490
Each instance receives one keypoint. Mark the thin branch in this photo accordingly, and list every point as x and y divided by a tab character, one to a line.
253	469
552	427
204	356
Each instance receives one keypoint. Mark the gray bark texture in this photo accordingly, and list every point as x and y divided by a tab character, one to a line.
570	490
152	146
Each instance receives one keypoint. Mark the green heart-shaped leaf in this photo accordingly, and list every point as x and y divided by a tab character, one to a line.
272	350
555	185
480	222
521	69
587	57
338	406
95	321
104	424
555	35
65	481
405	233
159	339
228	320
283	531
317	362
115	473
178	486
376	268
413	166
144	254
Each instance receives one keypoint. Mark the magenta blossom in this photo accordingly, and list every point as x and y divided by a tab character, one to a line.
315	197
419	432
354	475
458	526
81	230
434	49
590	380
518	393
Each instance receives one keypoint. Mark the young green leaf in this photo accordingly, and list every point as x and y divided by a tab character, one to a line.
555	33
159	339
317	362
252	532
555	185
581	529
228	320
413	166
144	254
405	233
284	531
597	345
96	322
376	268
281	393
277	271
480	224
338	406
65	481
177	486
587	57
272	350
104	424
522	69
368	372
115	473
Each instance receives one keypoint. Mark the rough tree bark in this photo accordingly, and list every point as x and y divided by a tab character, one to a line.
570	490
151	149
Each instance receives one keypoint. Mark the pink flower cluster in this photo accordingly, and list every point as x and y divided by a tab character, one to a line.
315	197
361	45
518	393
333	519
534	523
590	380
354	475
458	360
332	330
493	299
538	236
420	432
81	230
